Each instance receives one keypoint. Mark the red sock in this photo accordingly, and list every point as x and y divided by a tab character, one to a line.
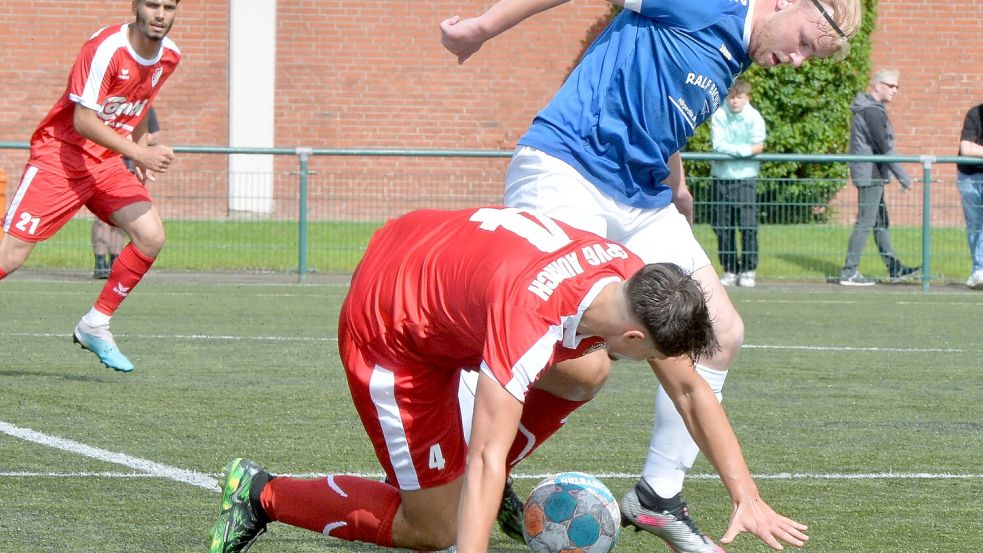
3	275
344	507
542	415
126	273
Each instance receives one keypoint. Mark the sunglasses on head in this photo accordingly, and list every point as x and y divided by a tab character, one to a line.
829	19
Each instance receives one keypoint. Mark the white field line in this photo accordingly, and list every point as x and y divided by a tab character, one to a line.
534	476
849	348
151	469
216	337
958	298
147	467
229	337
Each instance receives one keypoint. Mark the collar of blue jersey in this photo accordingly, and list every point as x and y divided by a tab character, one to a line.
829	18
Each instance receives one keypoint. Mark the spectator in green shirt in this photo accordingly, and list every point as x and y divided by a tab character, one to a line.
736	129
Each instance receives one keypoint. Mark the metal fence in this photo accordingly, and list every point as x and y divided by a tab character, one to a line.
316	209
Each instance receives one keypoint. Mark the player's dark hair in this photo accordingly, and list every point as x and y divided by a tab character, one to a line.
672	307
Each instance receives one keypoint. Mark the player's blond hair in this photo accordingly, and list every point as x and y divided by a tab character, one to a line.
847	15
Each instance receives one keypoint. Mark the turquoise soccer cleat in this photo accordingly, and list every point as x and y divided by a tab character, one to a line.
99	341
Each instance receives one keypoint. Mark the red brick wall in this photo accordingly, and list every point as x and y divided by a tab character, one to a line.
373	74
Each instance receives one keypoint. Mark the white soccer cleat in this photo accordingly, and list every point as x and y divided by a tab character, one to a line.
669	521
746	279
728	279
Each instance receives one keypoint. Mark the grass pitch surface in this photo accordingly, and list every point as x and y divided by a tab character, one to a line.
858	410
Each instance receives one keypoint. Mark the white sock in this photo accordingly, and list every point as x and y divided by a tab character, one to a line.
672	450
96	318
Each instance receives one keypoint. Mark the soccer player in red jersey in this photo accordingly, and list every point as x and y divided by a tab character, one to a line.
506	293
75	161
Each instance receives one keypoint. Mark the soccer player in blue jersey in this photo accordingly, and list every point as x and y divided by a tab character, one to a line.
603	156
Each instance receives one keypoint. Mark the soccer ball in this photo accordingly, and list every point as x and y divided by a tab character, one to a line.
571	512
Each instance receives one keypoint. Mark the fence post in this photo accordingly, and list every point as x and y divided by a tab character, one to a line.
304	154
926	220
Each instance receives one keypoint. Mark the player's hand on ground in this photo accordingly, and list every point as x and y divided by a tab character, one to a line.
156	158
461	37
758	518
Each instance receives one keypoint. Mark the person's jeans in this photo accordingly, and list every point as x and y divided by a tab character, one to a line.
971	190
735	208
871	216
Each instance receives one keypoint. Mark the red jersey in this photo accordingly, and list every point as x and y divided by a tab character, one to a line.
110	78
495	288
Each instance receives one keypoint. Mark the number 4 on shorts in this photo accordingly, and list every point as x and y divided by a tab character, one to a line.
436	458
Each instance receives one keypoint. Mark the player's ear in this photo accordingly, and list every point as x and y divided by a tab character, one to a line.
632	335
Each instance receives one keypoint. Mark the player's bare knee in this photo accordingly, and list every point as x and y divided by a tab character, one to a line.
13	253
730	335
150	245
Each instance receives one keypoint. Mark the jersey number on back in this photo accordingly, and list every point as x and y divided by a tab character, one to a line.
546	235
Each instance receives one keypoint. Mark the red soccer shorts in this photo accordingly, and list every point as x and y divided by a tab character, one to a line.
411	414
44	201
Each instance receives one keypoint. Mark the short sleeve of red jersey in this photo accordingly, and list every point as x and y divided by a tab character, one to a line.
88	80
518	347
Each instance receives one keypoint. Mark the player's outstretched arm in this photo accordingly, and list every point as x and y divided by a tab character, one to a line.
493	428
707	423
464	37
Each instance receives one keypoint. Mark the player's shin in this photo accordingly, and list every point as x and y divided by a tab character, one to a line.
126	273
672	450
542	415
344	507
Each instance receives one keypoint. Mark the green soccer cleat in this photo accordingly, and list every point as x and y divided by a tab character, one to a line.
510	514
242	520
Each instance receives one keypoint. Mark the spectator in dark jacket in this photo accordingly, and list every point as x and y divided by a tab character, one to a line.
970	180
871	133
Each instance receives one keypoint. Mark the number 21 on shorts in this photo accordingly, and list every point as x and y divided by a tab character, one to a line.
27	221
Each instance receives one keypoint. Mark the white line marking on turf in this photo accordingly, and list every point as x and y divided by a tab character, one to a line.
184	337
520	476
228	337
849	348
149	467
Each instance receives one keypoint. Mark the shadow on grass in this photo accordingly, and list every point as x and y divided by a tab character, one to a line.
72	377
812	264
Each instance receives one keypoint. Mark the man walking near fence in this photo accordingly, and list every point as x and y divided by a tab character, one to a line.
871	133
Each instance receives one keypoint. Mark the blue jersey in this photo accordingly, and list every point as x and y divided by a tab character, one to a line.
640	92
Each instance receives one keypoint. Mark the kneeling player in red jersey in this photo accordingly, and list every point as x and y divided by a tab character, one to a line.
506	293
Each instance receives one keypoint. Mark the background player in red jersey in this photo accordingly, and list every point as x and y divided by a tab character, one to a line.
507	293
75	161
